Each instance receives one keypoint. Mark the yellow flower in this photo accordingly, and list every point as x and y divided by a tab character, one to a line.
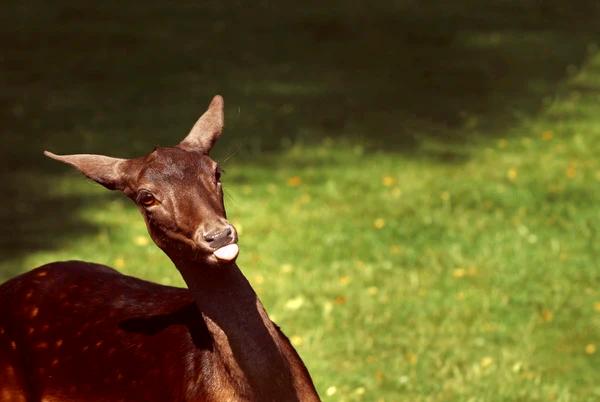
294	181
327	308
119	262
344	280
141	240
379	223
597	306
547	315
517	367
590	348
296	340
512	174
459	272
547	135
295	303
388	181
331	391
462	272
486	362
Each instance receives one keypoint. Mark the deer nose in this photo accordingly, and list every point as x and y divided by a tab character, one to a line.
220	237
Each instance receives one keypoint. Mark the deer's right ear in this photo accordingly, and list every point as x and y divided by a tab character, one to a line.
102	169
207	129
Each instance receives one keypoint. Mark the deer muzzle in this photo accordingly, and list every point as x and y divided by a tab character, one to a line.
223	242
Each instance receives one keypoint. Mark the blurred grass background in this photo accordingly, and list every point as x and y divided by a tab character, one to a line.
415	182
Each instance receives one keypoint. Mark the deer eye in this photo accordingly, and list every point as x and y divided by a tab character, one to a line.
146	198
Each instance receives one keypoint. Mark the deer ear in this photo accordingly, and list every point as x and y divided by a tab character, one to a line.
102	169
207	129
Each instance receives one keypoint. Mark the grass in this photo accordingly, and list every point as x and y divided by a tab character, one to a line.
417	207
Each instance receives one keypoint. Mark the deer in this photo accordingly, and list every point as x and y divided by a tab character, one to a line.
79	331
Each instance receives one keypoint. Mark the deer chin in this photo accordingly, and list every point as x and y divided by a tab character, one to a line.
227	253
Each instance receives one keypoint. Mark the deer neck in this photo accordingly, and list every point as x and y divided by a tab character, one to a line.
246	343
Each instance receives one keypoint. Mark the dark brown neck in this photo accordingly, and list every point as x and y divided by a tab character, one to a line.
245	339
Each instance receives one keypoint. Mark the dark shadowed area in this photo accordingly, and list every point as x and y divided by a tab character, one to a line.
119	78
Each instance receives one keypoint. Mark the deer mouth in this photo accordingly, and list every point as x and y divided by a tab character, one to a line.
222	242
227	253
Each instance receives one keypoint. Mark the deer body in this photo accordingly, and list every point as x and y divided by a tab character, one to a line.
77	331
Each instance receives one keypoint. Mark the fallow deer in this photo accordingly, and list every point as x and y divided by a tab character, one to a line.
78	331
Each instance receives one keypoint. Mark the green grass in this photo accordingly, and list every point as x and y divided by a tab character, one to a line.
423	225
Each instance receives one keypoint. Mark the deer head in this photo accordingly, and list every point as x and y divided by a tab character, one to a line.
177	189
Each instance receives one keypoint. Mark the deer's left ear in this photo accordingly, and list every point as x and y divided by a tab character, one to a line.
207	129
102	169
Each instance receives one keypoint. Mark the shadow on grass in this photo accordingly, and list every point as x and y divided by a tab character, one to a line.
35	220
119	78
